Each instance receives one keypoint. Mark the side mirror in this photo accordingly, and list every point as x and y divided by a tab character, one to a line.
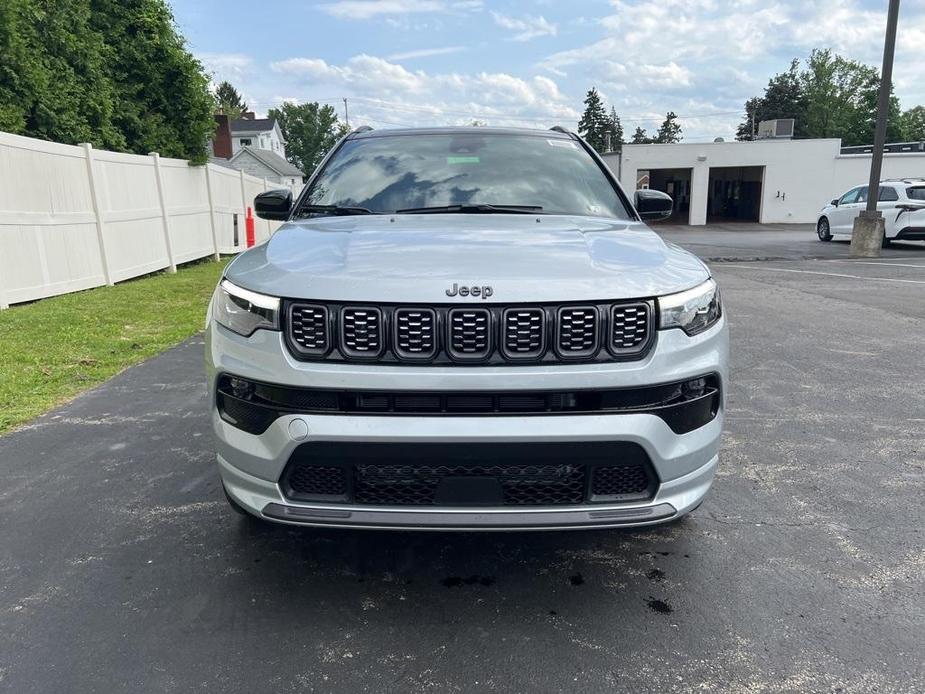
834	202
653	204
274	204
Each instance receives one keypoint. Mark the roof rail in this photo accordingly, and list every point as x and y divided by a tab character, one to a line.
362	129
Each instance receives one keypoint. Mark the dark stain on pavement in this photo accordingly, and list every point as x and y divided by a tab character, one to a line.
659	606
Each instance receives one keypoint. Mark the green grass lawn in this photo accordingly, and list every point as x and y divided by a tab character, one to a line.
55	348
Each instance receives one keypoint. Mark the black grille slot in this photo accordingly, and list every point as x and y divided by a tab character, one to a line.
629	328
317	480
577	332
470	333
415	333
361	331
622	482
524	332
310	328
542	485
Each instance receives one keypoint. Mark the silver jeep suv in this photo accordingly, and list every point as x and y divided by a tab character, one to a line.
467	329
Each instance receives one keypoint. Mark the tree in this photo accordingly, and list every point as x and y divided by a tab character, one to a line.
670	130
616	128
640	137
53	75
228	101
110	72
594	122
162	101
783	98
841	99
830	97
310	131
913	124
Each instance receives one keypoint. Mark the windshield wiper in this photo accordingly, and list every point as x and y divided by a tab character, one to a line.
335	210
483	208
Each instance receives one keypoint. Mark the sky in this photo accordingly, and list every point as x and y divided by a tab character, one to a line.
530	63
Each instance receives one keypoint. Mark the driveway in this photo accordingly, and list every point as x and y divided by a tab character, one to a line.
740	241
121	569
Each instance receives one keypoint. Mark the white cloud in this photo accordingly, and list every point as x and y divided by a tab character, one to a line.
425	53
708	56
369	9
391	92
525	28
228	66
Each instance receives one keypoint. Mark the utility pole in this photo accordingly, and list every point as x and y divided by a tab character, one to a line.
346	116
867	235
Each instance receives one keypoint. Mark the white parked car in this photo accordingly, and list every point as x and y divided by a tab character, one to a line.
901	202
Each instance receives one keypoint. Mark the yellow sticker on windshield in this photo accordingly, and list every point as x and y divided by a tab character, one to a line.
462	160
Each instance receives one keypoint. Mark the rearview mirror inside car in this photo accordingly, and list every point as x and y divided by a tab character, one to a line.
274	204
653	204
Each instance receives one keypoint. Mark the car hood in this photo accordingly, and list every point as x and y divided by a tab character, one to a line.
418	258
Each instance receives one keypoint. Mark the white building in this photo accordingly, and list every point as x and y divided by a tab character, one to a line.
257	133
767	181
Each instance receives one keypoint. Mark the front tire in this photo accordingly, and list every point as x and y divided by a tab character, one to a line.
823	230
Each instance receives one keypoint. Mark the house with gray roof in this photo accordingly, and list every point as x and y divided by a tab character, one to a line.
257	133
263	163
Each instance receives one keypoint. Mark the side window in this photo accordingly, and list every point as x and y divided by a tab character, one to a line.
888	194
862	194
849	197
915	193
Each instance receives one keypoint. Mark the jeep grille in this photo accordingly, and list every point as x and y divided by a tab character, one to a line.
491	334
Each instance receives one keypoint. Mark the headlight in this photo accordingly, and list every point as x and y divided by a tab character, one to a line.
693	311
244	311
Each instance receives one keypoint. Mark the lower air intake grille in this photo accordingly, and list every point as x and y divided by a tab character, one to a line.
629	327
622	481
309	328
361	331
517	485
415	333
524	332
470	333
577	332
460	474
315	480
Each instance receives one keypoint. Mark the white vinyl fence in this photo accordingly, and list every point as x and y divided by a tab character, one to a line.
72	217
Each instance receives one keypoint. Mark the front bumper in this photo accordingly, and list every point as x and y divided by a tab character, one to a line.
251	465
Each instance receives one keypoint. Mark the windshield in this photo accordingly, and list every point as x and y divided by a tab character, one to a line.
385	174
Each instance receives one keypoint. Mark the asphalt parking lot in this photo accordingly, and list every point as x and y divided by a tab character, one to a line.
121	568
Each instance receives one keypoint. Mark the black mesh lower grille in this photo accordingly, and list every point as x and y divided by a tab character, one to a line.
317	480
620	481
470	474
545	485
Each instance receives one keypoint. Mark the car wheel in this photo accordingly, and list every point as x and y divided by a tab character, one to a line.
823	230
